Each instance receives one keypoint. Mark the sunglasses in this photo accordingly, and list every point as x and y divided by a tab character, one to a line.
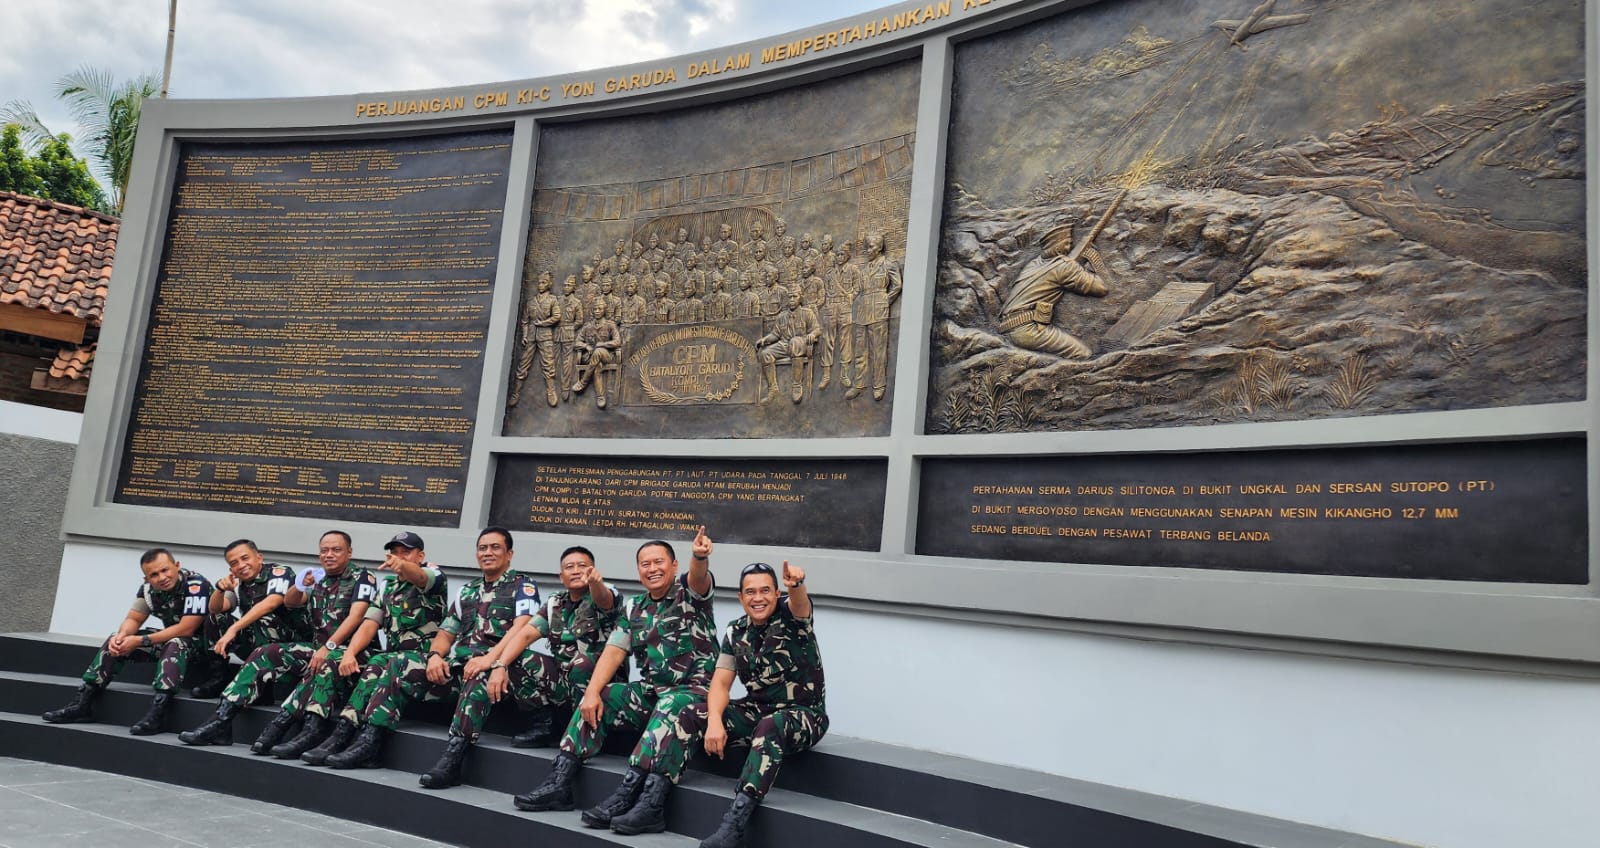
757	568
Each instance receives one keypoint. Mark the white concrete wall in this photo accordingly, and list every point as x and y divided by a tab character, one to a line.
38	422
1423	755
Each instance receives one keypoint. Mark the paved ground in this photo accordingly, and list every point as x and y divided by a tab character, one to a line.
51	806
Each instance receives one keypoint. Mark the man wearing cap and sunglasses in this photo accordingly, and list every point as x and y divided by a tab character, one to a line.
671	632
773	651
410	605
335	602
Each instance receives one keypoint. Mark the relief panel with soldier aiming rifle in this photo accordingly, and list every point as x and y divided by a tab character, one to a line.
1164	214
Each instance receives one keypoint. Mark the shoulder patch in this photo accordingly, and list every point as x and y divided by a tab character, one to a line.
194	588
280	571
529	589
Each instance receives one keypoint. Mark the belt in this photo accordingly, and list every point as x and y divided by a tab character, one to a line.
1014	320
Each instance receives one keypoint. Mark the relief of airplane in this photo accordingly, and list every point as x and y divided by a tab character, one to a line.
1261	19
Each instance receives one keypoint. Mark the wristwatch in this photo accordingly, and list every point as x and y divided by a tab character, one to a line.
144	641
330	644
497	664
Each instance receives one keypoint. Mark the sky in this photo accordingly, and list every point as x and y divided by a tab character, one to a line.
302	48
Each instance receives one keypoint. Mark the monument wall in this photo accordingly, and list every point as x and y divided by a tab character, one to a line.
1214	325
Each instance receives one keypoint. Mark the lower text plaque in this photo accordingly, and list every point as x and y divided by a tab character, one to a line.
1491	511
813	503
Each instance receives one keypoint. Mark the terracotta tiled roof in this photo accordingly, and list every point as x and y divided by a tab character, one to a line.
73	362
54	256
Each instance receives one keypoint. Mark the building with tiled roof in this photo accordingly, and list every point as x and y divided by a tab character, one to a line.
55	266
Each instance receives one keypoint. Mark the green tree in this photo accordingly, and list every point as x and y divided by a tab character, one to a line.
107	112
66	178
16	166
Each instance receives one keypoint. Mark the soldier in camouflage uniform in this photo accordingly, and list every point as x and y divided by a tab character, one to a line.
254	589
178	597
773	651
671	631
410	605
577	620
464	648
335	605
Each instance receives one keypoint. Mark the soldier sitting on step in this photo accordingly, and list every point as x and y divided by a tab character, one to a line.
410	607
773	651
336	602
577	620
255	589
178	597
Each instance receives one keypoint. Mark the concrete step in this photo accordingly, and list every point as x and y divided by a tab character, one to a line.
494	769
841	789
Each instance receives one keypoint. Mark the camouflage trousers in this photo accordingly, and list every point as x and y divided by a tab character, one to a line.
771	734
405	678
371	677
663	748
536	681
173	655
267	663
322	693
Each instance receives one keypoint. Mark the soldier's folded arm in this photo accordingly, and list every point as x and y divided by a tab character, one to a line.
610	660
220	601
130	625
599	592
442	641
799	598
259	611
716	704
352	622
700	581
517	639
413	573
186	626
363	637
502	650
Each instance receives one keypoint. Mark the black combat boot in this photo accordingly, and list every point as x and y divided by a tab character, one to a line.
364	751
343	731
542	733
621	800
276	728
555	793
80	708
217	731
447	772
649	813
218	675
730	834
311	732
155	718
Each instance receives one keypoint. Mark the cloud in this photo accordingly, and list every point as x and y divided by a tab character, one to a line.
301	48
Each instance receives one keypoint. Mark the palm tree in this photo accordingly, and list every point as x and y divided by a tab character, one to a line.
107	112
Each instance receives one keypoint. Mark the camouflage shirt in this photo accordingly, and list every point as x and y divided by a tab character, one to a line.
484	612
191	595
673	640
282	624
577	630
778	662
332	598
409	615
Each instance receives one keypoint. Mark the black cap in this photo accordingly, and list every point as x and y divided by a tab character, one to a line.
407	539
